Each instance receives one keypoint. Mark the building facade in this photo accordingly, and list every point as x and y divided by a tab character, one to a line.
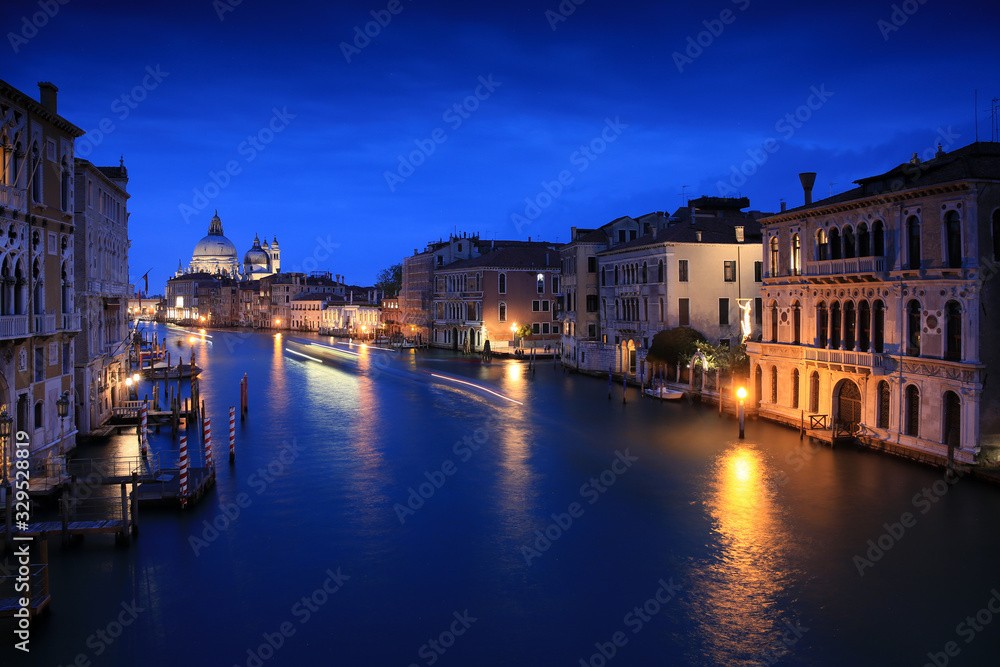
879	305
103	291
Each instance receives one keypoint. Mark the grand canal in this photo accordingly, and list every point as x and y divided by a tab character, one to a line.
381	512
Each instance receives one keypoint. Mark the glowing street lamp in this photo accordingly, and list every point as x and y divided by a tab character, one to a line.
5	425
741	393
62	406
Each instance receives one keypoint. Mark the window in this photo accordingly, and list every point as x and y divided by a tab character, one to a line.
878	239
502	283
773	267
774	384
796	268
540	283
591	303
952	420
535	306
834	243
659	271
822	247
555	284
864	241
682	270
616	274
535	328
683	312
796	322
729	271
591	265
545	327
953	331
632	234
603	279
835	340
795	388
38	415
503	311
883	404
35	174
864	327
645	274
774	321
912	416
848	243
758	311
878	327
67	366
814	393
64	186
591	332
913	242
545	306
661	310
621	236
953	229
850	325
913	328
758	271
723	312
39	364
555	328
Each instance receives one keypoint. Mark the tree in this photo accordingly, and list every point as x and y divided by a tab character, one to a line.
390	280
523	331
672	345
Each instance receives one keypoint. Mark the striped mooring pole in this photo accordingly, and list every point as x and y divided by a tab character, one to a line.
184	471
232	433
143	431
207	435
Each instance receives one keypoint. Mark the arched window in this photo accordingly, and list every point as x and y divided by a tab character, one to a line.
39	414
878	327
848	240
864	241
540	283
616	274
850	325
661	309
645	274
834	243
796	255
774	321
913	242
502	308
618	311
774	384
35	174
953	230
953	331
795	388
835	325
883	404
796	322
913	328
878	239
822	325
864	327
814	393
822	247
502	286
952	420
773	267
659	272
912	409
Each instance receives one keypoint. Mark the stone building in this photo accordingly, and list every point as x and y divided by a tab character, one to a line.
879	305
103	290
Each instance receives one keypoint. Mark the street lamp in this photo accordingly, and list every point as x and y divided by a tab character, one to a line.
62	406
5	421
741	393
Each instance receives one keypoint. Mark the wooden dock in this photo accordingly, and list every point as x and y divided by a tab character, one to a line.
166	488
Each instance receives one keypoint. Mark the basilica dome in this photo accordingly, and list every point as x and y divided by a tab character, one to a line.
256	260
215	253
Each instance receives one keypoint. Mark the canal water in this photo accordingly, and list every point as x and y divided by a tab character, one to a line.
429	509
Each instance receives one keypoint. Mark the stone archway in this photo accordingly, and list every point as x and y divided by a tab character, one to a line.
847	404
693	364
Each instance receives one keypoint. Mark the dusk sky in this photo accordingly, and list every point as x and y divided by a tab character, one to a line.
351	151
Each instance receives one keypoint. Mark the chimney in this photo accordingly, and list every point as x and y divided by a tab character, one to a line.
739	233
915	159
697	236
808	179
47	95
572	233
784	205
940	152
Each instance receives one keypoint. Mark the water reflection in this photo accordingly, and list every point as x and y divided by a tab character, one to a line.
739	595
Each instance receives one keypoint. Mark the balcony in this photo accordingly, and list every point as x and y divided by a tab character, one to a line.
45	325
70	321
855	269
11	197
877	363
13	326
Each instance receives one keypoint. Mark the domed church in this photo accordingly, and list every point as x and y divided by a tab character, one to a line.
216	254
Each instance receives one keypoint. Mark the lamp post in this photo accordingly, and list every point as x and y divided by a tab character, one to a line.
5	422
741	393
513	335
62	405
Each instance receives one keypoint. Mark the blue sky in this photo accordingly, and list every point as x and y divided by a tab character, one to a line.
348	147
